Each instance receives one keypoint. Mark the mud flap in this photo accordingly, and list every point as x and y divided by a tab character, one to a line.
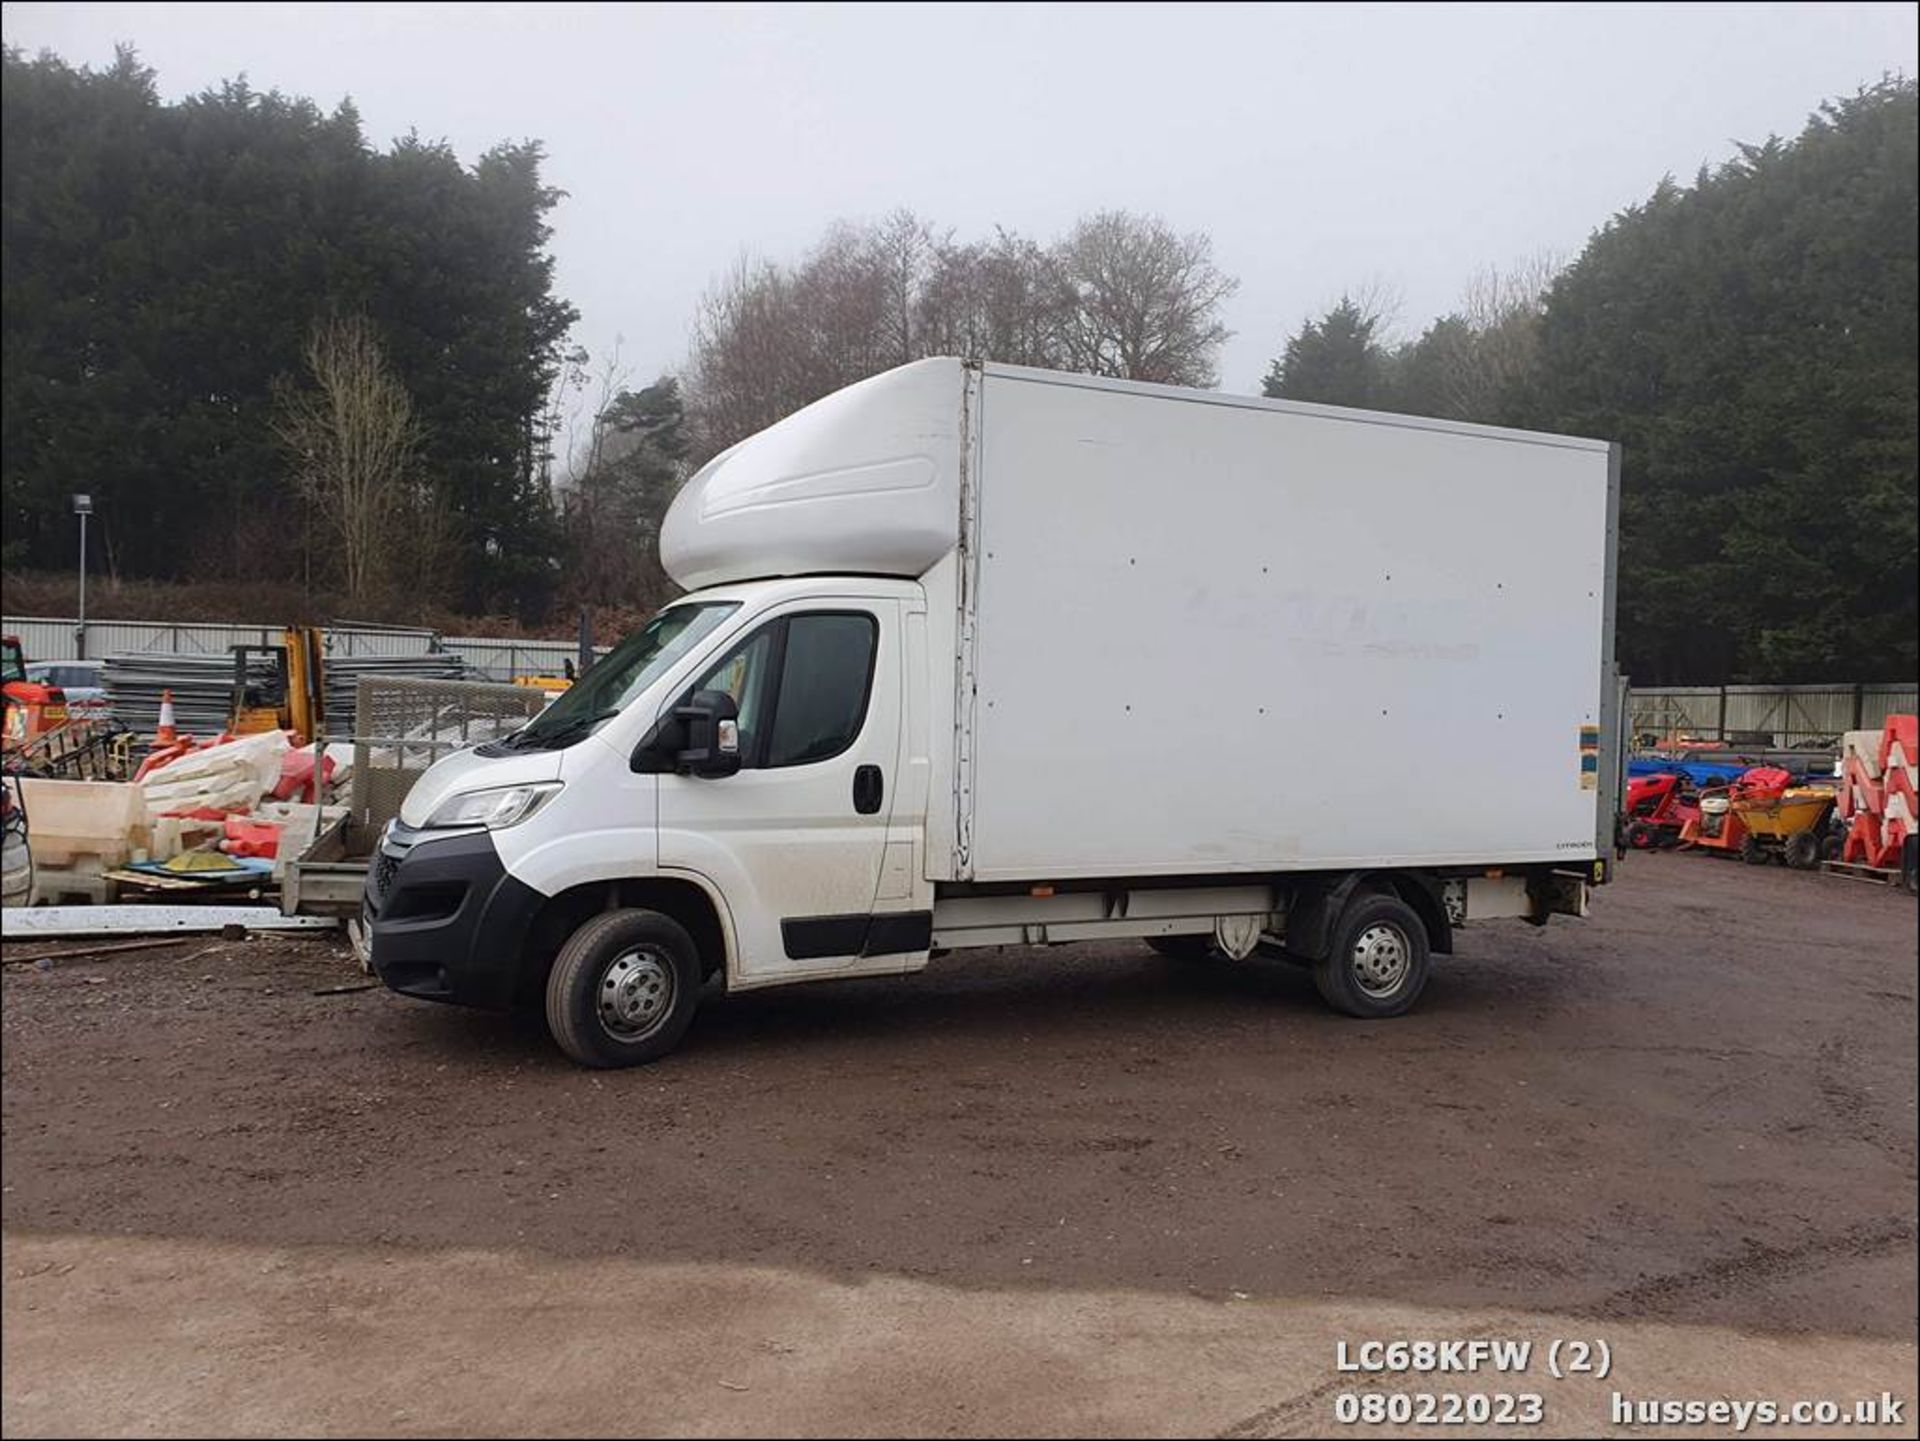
1312	916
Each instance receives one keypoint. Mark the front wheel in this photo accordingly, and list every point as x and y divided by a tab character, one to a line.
1803	851
1377	963
623	989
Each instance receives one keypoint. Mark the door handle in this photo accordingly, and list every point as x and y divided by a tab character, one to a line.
868	787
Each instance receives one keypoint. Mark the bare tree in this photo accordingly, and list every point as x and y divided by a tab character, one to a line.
768	339
1499	344
613	507
560	415
999	300
749	365
355	443
600	435
1147	300
903	248
1122	295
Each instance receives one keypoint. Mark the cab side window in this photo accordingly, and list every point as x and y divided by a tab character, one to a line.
825	675
744	675
802	684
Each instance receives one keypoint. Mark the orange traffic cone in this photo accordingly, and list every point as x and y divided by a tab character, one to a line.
166	735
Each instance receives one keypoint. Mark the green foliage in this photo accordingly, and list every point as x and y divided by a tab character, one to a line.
163	266
1751	342
614	510
1335	360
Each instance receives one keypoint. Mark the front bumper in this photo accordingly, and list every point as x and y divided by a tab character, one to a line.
444	919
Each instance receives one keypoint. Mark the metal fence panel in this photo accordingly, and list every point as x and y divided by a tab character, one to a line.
1784	716
352	639
487	658
41	638
403	724
505	659
53	638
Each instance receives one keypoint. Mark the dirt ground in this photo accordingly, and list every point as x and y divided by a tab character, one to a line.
1077	1191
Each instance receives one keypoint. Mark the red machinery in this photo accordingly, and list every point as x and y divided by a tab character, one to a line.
1717	826
32	709
1659	808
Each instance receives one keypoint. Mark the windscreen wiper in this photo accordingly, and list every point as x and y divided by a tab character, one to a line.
566	729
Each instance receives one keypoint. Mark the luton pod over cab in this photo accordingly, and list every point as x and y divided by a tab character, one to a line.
978	655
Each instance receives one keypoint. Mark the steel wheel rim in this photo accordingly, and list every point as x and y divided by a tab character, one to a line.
635	995
1381	959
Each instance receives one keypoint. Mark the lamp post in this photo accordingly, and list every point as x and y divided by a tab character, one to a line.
82	507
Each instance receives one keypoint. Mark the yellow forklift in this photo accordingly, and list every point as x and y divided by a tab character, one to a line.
293	698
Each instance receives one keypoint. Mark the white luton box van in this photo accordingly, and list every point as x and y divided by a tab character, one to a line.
978	655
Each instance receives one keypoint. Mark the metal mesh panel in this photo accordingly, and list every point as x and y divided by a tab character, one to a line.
403	724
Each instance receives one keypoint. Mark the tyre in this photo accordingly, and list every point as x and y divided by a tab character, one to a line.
1803	850
1642	837
1910	865
1183	948
1832	846
1752	852
623	989
1376	962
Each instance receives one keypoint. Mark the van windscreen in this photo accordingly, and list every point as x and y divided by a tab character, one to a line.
619	676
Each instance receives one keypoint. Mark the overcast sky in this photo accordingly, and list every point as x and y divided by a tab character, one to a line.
1320	147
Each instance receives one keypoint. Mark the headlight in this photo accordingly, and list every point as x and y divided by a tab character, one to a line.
494	809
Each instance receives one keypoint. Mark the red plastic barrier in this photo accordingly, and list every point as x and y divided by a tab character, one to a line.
1867	843
1906	730
296	775
251	838
164	755
204	813
1876	832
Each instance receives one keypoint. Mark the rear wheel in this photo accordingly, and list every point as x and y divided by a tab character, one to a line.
1376	964
1752	852
1642	837
623	989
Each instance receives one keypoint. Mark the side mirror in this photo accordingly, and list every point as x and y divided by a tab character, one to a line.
699	738
711	734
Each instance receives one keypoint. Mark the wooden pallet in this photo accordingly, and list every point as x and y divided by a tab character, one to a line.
1854	871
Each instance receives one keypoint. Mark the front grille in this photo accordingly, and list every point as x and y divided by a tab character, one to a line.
385	868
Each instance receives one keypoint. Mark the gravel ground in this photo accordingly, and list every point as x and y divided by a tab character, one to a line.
1691	1117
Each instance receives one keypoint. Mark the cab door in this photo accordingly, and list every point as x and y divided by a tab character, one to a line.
795	841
